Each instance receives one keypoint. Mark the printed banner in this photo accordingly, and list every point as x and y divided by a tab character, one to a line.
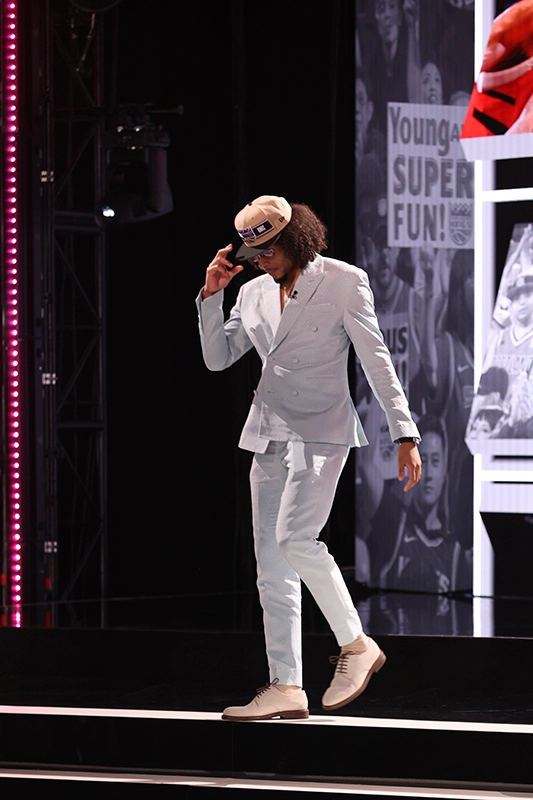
414	192
430	183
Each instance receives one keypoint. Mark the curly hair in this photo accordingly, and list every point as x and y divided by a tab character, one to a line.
304	236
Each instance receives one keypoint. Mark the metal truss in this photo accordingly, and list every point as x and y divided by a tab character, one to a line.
68	314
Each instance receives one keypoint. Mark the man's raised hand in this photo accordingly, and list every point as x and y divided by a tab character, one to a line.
219	272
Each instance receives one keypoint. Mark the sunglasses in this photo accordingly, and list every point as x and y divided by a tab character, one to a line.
268	253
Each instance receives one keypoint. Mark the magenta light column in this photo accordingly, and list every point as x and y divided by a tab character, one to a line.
12	354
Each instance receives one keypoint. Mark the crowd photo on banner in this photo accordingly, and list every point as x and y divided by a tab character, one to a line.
414	237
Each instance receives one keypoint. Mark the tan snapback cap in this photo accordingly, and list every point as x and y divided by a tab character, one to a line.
260	222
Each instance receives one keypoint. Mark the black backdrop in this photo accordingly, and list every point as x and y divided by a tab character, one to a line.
264	99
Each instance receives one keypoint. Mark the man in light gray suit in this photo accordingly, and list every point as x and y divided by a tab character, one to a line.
301	317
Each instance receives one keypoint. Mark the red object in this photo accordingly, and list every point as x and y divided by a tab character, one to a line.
493	112
47	584
3	579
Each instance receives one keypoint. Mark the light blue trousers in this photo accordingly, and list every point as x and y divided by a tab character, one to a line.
293	485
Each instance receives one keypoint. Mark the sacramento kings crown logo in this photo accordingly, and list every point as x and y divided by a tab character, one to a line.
461	223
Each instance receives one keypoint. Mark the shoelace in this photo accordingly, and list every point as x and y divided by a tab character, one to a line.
266	687
341	661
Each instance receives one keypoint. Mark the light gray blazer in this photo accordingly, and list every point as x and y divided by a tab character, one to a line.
303	393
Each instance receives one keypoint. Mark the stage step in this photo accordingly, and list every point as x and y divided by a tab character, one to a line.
321	748
443	712
425	677
116	786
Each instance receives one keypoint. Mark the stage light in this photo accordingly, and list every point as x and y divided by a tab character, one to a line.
137	187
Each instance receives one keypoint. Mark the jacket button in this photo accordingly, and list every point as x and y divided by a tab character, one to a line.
294	393
314	328
295	360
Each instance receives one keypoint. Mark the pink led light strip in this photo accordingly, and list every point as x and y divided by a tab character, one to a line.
11	313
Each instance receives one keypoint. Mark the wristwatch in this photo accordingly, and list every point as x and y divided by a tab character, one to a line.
403	439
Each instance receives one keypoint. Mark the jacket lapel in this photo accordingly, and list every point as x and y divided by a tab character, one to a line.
304	289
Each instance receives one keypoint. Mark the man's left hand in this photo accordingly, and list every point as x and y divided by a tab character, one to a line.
409	459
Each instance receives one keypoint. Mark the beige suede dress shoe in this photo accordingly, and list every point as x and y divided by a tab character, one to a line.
352	673
270	702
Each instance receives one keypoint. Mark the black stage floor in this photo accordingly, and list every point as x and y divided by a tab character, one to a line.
205	652
425	677
138	703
